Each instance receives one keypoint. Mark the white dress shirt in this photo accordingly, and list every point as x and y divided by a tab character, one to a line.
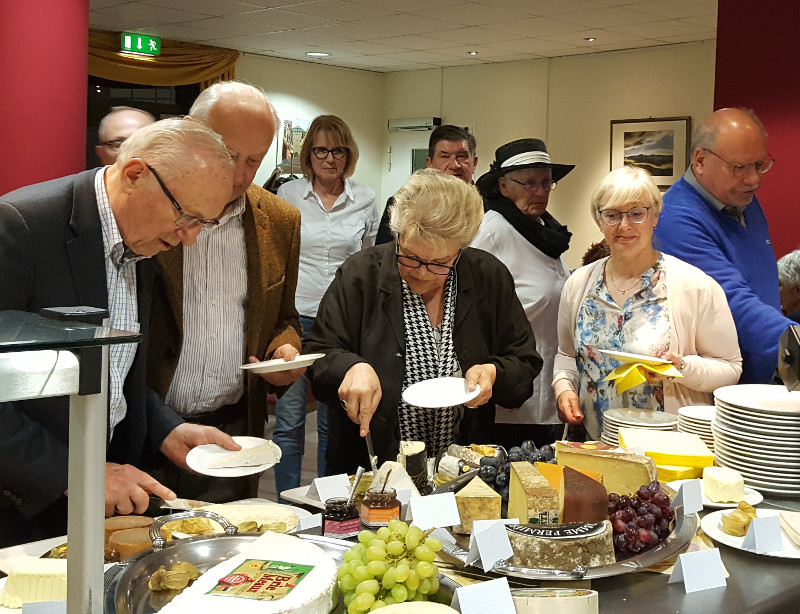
538	279
123	310
328	238
214	294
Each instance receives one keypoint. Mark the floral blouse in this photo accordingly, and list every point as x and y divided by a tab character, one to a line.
640	326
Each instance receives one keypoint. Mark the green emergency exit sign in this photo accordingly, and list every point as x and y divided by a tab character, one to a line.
140	43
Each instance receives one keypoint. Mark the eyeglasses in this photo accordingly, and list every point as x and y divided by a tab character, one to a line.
184	221
113	145
322	152
740	170
532	186
433	267
636	215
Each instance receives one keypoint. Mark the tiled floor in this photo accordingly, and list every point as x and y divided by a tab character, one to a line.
266	486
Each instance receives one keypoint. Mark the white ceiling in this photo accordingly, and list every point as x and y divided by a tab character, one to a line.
392	35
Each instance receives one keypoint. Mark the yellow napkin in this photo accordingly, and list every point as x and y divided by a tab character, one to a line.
632	374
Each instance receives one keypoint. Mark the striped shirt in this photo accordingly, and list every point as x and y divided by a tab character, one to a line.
214	296
122	307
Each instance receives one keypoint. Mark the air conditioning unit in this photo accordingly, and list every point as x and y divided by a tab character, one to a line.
414	123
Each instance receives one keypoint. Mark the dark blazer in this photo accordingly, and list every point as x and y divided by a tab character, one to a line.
51	250
272	243
360	319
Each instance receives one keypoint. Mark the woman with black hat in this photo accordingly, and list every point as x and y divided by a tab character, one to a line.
518	230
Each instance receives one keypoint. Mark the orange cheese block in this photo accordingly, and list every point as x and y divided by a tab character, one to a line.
581	499
117	523
553	474
130	541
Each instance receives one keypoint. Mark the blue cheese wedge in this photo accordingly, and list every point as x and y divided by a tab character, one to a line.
265	454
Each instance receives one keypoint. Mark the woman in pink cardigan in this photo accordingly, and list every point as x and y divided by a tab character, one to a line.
639	301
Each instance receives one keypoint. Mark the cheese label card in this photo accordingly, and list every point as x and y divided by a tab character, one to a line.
435	511
690	496
489	543
330	487
489	597
404	496
261	580
699	570
764	535
309	522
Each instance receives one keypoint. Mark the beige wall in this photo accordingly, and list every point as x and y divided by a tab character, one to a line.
304	90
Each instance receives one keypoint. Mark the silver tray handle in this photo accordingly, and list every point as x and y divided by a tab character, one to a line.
504	568
155	528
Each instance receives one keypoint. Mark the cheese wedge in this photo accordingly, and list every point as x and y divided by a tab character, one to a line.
723	485
531	499
623	473
265	454
790	523
668	473
553	473
581	499
477	501
668	447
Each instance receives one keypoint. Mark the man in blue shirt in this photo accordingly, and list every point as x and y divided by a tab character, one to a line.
713	220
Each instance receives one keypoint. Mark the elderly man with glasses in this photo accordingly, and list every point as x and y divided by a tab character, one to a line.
713	220
117	126
86	239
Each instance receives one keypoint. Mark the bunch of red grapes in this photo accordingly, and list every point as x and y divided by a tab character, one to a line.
640	521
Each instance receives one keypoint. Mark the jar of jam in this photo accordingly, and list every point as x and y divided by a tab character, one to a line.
340	519
379	507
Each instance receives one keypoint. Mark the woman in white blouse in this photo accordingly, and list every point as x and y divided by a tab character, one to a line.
339	218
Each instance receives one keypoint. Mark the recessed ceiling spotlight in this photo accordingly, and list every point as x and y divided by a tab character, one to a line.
591	39
317	54
472	52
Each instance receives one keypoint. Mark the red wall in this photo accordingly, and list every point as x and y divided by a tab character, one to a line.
43	72
757	67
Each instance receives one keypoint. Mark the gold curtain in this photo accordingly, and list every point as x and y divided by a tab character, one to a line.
178	64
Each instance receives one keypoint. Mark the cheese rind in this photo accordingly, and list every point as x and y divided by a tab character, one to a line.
723	485
581	498
34	580
476	501
623	473
530	496
790	523
562	546
553	473
668	447
118	523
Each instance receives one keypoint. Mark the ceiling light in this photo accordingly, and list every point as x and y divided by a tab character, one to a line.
317	54
591	39
472	52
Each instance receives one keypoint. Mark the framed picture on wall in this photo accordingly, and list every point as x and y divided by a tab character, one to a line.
658	144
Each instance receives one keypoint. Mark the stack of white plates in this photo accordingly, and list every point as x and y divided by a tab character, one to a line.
614	419
696	419
757	432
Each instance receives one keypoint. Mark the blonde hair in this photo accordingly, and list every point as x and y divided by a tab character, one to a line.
170	144
339	133
436	207
629	184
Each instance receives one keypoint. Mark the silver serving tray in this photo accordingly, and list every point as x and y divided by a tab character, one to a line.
682	534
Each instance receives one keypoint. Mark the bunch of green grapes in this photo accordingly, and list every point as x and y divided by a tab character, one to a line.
393	566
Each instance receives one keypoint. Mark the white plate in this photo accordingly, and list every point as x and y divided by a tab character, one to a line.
761	398
751	496
712	526
702	413
279	364
439	392
634	358
200	456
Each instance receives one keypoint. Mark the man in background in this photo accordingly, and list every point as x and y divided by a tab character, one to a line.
789	282
115	127
230	297
87	239
451	149
713	220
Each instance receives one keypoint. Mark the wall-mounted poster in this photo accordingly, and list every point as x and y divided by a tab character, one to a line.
294	132
658	145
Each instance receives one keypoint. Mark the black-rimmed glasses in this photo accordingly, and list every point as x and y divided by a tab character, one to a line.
740	170
415	263
320	153
636	215
184	221
532	186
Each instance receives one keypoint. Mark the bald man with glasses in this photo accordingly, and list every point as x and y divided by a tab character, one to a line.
713	220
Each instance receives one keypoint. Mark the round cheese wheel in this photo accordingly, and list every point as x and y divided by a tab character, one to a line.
130	541
117	523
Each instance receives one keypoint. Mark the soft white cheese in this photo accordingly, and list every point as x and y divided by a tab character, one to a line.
723	485
33	580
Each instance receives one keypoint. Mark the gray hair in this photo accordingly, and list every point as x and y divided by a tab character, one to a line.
705	137
210	96
449	132
629	184
789	270
114	110
173	143
436	207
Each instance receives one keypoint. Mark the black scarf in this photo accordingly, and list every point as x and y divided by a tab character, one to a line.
550	238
